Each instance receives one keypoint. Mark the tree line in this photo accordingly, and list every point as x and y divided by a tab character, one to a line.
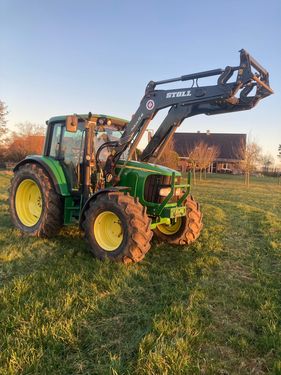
27	139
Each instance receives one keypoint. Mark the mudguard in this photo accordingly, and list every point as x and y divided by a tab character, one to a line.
53	169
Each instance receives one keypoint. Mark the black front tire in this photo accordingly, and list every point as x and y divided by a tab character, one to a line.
133	221
190	226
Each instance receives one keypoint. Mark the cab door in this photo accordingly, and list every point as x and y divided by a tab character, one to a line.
68	148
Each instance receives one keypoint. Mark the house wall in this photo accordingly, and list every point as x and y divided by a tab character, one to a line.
184	166
227	144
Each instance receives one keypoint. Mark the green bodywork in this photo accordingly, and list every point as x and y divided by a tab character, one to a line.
133	174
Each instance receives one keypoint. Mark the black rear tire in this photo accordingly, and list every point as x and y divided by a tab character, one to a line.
51	217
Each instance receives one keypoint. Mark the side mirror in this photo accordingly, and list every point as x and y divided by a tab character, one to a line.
71	123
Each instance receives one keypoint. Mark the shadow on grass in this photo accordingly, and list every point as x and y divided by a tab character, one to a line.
83	316
94	313
110	336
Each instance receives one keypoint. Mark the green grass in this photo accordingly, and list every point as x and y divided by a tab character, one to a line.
212	308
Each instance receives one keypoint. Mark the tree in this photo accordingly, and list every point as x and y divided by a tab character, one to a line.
267	160
202	156
279	152
28	140
3	129
249	155
210	154
27	128
169	157
3	122
20	147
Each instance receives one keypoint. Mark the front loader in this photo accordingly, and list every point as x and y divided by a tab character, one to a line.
87	175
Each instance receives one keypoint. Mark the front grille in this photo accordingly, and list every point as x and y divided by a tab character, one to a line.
152	185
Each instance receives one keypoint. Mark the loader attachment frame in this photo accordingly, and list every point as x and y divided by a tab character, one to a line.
223	97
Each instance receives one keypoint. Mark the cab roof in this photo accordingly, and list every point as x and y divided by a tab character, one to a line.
115	120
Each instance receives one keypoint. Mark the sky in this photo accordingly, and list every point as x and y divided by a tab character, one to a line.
67	56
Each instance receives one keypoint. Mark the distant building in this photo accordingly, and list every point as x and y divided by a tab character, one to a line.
228	145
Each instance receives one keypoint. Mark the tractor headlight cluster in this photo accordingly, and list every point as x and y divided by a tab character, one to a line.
163	192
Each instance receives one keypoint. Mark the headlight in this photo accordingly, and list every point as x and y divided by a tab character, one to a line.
163	192
178	192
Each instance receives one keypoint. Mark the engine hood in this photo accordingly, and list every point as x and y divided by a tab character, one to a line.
147	167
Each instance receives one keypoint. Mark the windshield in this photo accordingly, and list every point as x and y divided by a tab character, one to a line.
104	134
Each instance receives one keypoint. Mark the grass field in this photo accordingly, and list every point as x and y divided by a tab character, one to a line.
212	308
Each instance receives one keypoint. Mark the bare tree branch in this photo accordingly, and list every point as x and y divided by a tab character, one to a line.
202	156
170	157
249	155
3	122
28	140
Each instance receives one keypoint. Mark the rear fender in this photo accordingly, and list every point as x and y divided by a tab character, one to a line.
52	169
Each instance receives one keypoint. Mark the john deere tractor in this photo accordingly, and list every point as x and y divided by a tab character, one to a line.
87	175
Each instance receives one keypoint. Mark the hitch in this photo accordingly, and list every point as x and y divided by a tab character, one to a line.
261	76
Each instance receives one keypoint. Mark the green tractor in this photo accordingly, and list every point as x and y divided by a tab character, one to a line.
87	175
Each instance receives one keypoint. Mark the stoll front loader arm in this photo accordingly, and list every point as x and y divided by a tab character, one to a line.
251	85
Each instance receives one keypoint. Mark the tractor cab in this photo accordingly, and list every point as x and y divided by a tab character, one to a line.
73	140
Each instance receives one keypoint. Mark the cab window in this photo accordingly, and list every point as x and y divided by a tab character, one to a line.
56	137
71	154
68	148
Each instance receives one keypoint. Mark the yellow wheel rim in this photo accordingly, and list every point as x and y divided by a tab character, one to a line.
28	202
108	231
170	229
